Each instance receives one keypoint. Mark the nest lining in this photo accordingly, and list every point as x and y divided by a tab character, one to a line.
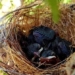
24	22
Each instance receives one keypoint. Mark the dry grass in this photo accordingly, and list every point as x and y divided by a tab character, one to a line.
23	21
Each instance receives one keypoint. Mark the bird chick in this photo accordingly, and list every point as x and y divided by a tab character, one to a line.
43	33
64	50
49	57
33	49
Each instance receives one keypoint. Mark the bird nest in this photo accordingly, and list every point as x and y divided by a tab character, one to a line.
13	60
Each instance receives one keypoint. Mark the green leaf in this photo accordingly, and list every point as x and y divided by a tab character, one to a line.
3	73
26	2
67	1
0	5
54	7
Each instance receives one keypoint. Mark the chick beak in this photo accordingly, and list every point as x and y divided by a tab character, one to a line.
36	54
50	59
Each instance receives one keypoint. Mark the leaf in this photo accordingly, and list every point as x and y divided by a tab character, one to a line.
54	7
3	73
0	5
26	2
67	1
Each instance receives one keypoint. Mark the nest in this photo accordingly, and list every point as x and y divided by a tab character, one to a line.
14	60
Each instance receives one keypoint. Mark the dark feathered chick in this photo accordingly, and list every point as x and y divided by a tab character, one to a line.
43	33
61	47
33	50
47	53
64	50
49	57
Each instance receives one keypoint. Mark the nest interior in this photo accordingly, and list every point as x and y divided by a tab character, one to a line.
23	21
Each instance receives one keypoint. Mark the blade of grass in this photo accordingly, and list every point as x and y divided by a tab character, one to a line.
53	4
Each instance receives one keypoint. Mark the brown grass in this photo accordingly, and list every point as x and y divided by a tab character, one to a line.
23	21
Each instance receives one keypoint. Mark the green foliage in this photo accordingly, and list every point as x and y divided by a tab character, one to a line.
66	1
53	4
0	5
3	73
54	7
28	1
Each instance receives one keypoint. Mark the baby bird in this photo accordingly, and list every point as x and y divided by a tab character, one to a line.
42	33
49	57
64	50
32	50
